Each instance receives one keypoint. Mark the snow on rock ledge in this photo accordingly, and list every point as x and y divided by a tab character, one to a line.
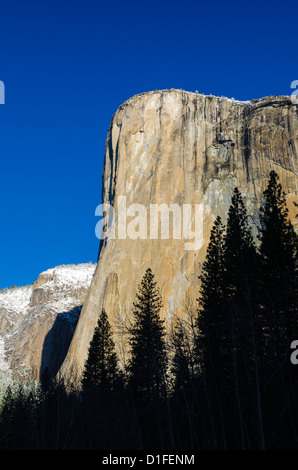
37	322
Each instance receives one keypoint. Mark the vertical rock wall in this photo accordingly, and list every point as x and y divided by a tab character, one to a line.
175	147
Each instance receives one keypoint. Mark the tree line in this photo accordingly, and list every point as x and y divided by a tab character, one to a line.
220	378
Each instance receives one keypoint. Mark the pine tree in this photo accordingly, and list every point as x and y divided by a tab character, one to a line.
277	297
101	369
211	320
211	341
226	323
278	266
182	364
147	365
241	321
239	275
239	248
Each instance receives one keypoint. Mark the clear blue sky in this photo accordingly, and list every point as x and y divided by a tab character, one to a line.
68	65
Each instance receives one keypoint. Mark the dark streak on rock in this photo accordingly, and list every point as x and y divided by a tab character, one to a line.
246	143
158	147
195	146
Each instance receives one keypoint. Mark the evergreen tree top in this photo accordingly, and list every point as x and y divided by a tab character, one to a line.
101	368
148	298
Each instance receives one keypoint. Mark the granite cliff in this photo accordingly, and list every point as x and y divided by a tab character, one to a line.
176	147
37	321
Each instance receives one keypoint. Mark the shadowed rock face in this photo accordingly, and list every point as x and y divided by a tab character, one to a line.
176	147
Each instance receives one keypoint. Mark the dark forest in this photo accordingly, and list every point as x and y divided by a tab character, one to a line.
223	377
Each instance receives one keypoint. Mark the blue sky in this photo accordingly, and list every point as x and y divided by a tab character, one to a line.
68	65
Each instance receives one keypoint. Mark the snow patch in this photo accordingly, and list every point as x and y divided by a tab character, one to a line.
16	299
72	275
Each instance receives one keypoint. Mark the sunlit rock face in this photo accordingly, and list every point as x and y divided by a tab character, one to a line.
37	322
176	147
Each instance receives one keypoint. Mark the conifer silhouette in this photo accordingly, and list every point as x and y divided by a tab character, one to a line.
211	319
147	365
101	370
278	266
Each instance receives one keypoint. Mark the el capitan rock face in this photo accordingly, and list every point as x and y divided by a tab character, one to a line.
177	147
